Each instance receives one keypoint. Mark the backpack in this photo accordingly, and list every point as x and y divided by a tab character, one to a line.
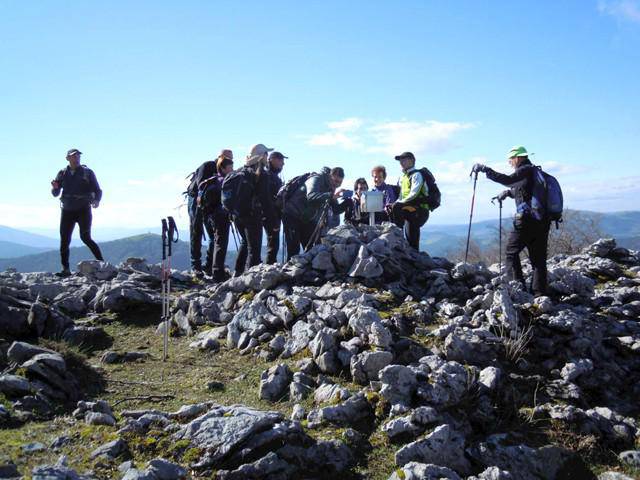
237	192
210	195
289	189
206	170
546	197
434	197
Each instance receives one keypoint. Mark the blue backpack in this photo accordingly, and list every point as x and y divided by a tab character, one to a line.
546	198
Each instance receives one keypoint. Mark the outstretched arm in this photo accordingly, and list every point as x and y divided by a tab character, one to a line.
508	180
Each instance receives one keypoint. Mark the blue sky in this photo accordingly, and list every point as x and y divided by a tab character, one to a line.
149	90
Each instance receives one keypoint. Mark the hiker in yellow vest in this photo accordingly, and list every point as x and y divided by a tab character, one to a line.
411	210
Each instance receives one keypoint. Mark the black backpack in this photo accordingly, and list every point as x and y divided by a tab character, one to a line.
289	189
206	170
434	196
237	192
210	194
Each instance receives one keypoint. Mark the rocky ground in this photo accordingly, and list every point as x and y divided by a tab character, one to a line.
360	358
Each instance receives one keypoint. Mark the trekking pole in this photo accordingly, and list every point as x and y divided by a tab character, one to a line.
284	238
284	245
499	232
473	199
163	293
172	232
233	234
316	232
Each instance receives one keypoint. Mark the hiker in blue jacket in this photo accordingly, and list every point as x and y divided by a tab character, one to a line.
80	192
527	231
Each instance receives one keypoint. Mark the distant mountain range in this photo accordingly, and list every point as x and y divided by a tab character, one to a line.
28	252
440	239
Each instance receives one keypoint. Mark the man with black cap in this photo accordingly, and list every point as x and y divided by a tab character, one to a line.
411	210
80	192
272	223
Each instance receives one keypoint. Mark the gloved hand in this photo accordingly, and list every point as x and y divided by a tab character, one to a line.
503	195
478	167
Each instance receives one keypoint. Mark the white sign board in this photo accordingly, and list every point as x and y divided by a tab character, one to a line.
372	201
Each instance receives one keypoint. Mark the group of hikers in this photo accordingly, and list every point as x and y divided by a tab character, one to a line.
253	200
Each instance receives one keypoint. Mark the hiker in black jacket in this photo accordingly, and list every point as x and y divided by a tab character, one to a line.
527	231
322	192
196	221
249	225
216	219
272	224
80	192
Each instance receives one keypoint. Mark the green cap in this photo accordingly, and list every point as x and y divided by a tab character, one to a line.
517	151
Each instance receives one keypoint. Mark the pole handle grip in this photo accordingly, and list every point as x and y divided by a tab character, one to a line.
165	229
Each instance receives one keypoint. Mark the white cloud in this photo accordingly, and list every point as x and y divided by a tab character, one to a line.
627	10
346	125
335	139
391	137
431	136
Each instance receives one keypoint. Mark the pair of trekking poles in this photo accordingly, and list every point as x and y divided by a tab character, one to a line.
169	237
473	200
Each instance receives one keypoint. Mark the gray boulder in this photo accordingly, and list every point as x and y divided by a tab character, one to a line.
573	370
299	338
328	392
530	463
365	265
366	323
274	382
348	413
631	458
366	366
472	346
399	384
448	384
443	446
110	450
20	352
222	430
96	270
163	469
89	338
14	386
56	472
493	473
422	471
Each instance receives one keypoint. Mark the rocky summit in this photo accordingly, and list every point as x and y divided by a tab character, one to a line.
361	358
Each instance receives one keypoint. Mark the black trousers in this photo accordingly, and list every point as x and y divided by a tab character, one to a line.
250	231
411	219
297	234
272	231
534	236
68	220
196	230
217	227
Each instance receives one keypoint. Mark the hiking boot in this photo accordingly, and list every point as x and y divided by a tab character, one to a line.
196	272
64	273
